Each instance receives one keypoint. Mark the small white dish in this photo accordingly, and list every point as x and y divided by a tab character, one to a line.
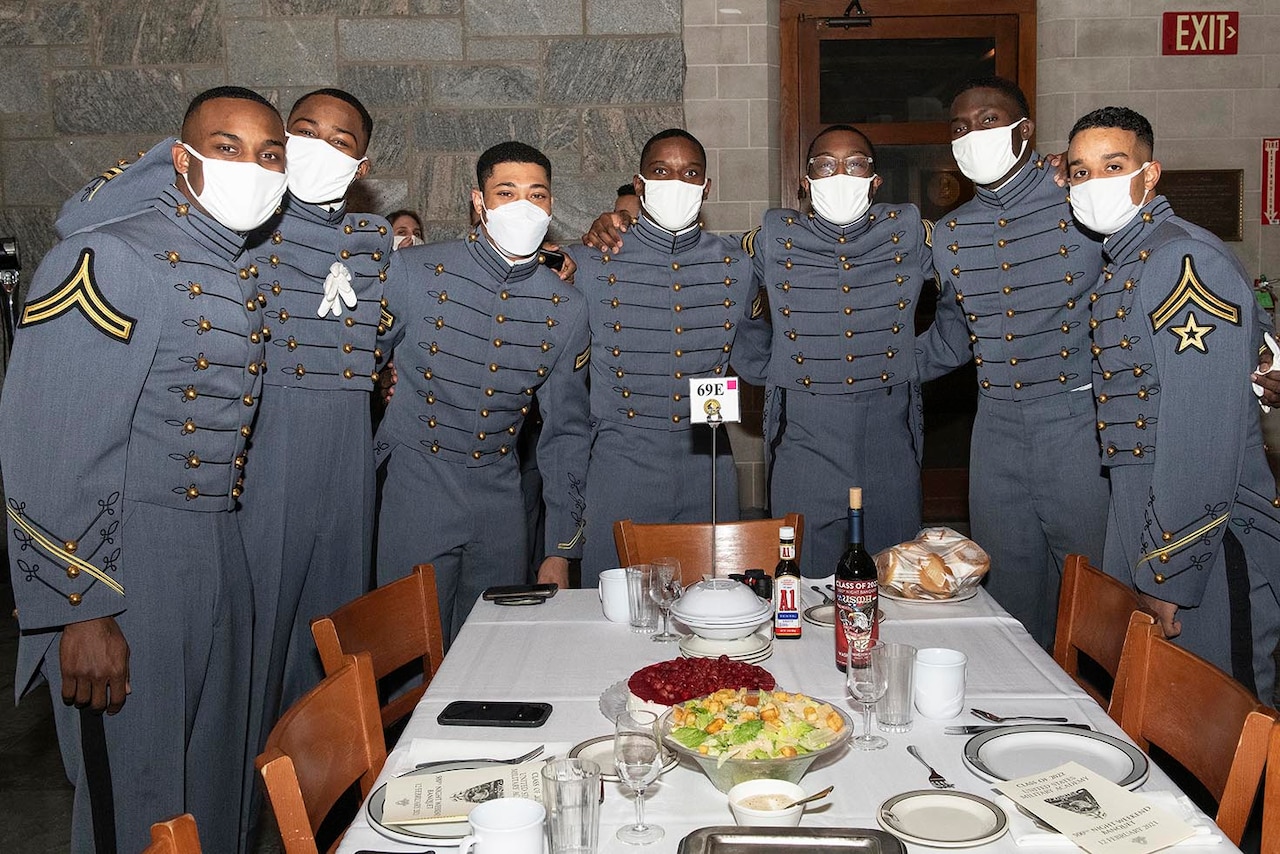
600	751
941	819
755	803
718	599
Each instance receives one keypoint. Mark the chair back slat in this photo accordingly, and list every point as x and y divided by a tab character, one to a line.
750	544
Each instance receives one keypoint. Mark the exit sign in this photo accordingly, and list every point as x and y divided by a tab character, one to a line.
1198	33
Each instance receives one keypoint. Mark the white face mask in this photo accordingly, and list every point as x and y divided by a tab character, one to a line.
672	204
985	156
241	196
1104	205
841	199
414	240
318	172
517	228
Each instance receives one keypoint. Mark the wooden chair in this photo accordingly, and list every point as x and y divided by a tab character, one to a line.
329	740
397	624
1271	800
751	544
1206	721
175	836
1093	617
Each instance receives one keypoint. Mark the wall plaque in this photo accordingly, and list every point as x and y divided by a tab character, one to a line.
1211	198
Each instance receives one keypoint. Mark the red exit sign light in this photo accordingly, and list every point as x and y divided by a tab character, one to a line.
1200	33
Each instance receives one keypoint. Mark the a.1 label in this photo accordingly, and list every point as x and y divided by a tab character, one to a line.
714	394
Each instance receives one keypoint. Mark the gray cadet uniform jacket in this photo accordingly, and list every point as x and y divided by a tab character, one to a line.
1014	274
475	339
839	369
1194	517
126	410
663	310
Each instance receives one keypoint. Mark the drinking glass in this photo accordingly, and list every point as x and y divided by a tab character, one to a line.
638	758
866	680
665	590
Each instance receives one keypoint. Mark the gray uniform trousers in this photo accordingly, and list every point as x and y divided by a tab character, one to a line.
190	696
1037	493
634	475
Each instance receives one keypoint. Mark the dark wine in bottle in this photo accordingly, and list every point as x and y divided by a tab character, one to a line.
857	590
786	587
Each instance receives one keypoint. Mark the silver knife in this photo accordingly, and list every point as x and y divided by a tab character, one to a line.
974	729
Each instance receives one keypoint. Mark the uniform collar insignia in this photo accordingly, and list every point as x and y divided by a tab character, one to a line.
1016	188
1126	241
206	231
659	238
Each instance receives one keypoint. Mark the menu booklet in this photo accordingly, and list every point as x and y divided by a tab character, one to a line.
1094	812
451	795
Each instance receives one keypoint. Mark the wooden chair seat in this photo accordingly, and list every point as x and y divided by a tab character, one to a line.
175	836
1206	721
1093	616
328	741
737	546
397	624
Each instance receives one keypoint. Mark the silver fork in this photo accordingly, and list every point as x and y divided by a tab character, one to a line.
988	716
935	779
519	759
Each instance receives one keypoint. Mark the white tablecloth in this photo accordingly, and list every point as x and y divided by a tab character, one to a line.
564	652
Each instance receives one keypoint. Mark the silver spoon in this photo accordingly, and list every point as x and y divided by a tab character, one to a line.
816	796
987	716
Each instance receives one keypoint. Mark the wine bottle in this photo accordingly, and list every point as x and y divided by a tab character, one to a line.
786	587
857	589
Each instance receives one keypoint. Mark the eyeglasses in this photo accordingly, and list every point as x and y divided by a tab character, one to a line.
859	166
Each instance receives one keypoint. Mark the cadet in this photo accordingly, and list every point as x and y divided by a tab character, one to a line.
838	363
1193	524
1014	274
480	328
126	409
663	310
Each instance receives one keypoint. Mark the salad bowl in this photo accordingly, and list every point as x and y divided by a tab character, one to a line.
758	757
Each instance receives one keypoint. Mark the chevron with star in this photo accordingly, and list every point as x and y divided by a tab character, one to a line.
1191	334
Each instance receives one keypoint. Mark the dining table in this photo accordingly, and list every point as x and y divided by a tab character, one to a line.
564	652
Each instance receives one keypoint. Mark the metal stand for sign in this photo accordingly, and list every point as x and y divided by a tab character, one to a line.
714	420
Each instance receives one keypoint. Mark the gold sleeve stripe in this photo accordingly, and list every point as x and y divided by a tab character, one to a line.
79	291
1187	540
387	319
583	358
576	537
928	232
749	241
101	180
58	553
758	305
1190	290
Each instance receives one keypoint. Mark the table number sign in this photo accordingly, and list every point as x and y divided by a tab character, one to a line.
710	395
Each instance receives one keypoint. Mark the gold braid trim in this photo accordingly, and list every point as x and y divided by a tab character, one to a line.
56	551
1189	538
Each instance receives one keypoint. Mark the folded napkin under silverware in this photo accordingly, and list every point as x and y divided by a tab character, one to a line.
974	729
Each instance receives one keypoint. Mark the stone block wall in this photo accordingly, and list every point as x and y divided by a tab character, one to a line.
91	81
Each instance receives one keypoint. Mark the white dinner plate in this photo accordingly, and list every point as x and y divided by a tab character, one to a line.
415	834
600	751
743	649
1011	752
941	819
825	615
962	596
765	610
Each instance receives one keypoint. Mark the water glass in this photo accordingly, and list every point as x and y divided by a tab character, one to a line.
866	680
571	792
642	608
638	758
893	712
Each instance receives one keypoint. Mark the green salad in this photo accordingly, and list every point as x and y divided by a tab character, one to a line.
752	724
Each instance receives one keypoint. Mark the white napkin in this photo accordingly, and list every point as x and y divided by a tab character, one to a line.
1026	834
1275	365
337	284
422	750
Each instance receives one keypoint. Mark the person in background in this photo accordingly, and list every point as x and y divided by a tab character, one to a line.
664	309
127	408
406	229
628	201
1014	273
1193	523
481	328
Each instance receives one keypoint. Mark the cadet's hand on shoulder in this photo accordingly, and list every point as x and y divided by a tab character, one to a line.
1166	614
606	232
554	570
94	658
1058	162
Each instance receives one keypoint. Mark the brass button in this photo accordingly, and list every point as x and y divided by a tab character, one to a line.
192	492
248	400
188	427
73	572
74	599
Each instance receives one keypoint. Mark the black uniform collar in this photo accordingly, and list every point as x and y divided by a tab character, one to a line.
488	258
655	236
314	213
1125	242
204	229
839	233
1019	186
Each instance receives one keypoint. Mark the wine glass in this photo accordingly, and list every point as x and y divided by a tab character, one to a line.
638	758
665	590
866	680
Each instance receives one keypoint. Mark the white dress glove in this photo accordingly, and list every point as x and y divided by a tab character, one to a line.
337	284
1275	365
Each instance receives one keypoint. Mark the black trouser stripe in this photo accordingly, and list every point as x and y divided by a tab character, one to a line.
1241	625
780	402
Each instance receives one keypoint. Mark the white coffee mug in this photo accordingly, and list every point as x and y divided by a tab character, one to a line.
613	595
505	826
939	691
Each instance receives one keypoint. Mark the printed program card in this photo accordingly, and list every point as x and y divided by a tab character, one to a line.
451	795
1094	812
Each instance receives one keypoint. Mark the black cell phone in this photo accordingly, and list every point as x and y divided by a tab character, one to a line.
494	713
520	591
551	258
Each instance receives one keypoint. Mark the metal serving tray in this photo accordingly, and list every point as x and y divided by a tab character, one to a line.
790	840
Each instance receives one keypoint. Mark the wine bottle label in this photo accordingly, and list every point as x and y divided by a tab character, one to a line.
786	607
856	602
